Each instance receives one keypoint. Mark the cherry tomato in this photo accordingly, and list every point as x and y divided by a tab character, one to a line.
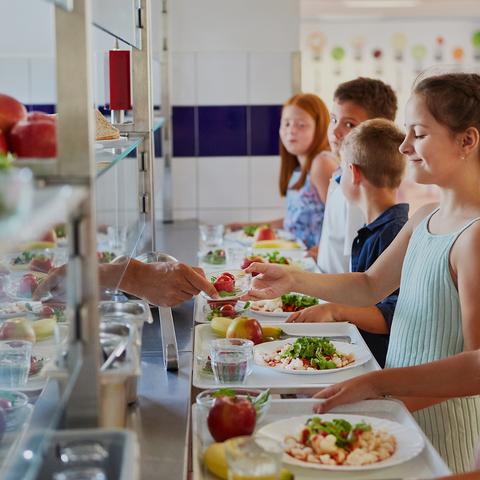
228	311
224	284
227	274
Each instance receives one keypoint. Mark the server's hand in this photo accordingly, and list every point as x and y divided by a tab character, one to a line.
165	284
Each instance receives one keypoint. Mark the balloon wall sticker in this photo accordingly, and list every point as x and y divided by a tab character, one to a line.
439	47
358	44
316	42
419	53
399	43
458	54
476	45
338	54
377	55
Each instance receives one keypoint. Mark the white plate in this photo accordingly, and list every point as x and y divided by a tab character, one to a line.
13	283
240	237
18	309
409	442
361	356
242	284
117	142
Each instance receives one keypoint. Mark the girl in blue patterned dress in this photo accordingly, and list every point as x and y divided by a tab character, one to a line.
435	259
306	167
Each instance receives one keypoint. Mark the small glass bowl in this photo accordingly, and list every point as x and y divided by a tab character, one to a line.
206	398
14	415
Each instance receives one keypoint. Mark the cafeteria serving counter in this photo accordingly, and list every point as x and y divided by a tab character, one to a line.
161	417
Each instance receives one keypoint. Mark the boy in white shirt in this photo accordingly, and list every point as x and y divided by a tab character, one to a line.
353	103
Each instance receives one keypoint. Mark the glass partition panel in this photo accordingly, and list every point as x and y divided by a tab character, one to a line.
119	18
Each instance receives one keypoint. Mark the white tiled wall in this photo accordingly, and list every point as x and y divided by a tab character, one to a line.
184	86
184	174
15	78
223	182
222	78
269	77
263	180
43	82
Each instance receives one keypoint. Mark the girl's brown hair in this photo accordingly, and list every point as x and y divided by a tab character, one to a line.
453	99
314	106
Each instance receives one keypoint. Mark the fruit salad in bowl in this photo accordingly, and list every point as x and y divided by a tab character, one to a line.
230	285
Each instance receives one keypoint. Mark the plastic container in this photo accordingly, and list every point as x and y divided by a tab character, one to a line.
121	461
17	413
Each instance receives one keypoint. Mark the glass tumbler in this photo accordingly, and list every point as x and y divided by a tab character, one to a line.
15	358
253	458
231	359
211	235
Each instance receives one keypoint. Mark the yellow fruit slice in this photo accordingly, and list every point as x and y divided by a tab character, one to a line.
215	460
286	474
271	331
44	328
37	245
220	325
280	244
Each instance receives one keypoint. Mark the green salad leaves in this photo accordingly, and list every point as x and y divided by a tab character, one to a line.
317	351
343	431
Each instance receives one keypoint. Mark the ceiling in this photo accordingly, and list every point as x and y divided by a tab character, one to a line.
325	9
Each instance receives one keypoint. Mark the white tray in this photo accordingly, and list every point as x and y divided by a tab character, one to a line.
262	377
426	465
200	311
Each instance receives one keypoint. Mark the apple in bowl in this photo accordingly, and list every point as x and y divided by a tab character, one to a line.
265	233
11	111
34	136
231	417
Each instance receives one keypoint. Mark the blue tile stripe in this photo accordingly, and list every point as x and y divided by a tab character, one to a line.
209	131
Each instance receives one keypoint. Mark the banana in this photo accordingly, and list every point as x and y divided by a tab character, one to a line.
215	460
280	244
286	474
272	332
220	325
37	245
44	328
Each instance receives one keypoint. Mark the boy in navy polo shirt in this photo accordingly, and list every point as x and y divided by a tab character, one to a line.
372	171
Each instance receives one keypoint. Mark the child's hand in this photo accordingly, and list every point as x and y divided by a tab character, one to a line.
313	252
234	226
354	390
272	281
316	314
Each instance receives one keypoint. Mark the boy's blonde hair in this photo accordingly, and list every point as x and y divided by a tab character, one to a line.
374	148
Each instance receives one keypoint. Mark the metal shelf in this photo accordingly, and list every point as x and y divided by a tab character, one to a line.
51	205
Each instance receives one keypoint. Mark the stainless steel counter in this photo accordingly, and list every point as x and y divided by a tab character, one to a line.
161	417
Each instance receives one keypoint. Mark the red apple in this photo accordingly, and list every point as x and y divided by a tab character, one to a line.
265	233
220	303
3	143
17	329
34	137
245	327
34	116
28	284
49	236
231	417
247	261
41	263
224	283
11	111
228	311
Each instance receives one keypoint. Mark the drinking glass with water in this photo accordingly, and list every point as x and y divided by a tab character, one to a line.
15	358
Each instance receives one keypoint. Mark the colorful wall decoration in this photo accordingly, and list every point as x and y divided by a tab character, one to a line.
394	50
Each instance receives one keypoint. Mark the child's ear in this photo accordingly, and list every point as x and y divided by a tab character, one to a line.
356	173
470	140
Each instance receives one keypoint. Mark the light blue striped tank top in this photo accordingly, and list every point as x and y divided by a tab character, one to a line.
427	326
